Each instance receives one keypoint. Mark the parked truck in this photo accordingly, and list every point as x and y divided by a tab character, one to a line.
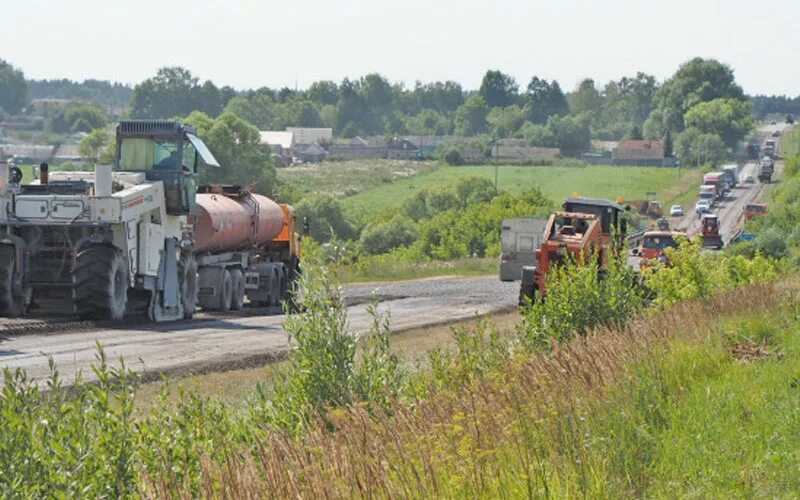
765	169
139	236
519	239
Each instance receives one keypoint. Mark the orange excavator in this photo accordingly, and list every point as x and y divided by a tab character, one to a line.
568	236
587	229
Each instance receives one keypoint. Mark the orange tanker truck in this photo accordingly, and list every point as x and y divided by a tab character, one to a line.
245	245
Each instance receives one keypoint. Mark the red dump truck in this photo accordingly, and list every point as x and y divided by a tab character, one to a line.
246	245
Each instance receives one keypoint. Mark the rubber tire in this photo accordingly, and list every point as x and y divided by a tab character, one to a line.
189	285
225	288
12	299
100	283
237	289
526	291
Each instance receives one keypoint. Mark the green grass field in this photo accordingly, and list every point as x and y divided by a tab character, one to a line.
556	182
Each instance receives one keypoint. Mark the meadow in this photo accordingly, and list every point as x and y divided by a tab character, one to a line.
556	183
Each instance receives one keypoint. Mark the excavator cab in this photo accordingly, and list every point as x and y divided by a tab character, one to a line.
164	151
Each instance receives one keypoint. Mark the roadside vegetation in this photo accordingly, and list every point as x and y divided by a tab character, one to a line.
535	412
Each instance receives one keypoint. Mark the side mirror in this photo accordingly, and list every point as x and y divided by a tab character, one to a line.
635	251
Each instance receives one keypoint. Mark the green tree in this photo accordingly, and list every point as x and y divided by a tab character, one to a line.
93	145
572	133
586	98
174	91
506	121
382	237
444	97
323	93
78	117
543	100
538	135
634	133
13	88
236	144
731	119
668	145
471	117
427	122
257	108
498	89
697	148
699	80
326	218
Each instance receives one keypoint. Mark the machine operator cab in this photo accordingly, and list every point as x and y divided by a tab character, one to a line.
164	151
613	222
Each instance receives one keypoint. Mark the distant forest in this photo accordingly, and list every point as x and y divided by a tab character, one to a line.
119	95
101	91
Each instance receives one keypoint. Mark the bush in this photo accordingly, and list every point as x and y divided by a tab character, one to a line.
453	157
693	275
324	372
772	243
382	237
579	299
326	218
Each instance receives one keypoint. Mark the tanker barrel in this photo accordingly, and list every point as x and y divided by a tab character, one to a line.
231	223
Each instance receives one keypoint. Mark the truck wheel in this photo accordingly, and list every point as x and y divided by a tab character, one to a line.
283	285
189	287
526	291
237	289
12	298
225	291
100	283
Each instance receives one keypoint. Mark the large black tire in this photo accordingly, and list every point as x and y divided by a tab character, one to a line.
237	289
12	298
189	284
527	294
100	283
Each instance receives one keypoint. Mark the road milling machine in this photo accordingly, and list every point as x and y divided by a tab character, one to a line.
141	236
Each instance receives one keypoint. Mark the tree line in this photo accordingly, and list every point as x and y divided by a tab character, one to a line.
701	99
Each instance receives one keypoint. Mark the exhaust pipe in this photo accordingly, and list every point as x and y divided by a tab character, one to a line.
102	180
44	173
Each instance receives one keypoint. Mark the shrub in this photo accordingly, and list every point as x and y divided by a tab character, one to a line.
453	157
772	243
324	372
382	237
579	299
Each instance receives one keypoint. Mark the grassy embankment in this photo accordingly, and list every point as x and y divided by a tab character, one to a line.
699	400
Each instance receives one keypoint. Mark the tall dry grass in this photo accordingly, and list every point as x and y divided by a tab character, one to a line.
516	433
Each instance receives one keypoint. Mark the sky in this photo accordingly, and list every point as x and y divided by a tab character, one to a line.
292	43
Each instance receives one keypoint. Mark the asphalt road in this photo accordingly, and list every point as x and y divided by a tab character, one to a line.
217	344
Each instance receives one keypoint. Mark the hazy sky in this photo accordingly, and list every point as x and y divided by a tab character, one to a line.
248	43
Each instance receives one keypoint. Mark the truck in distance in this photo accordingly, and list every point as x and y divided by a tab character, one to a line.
519	239
765	169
